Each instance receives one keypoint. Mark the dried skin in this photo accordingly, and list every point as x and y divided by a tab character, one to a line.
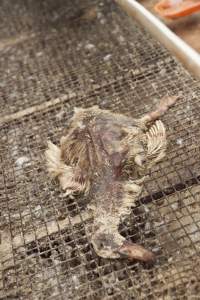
91	159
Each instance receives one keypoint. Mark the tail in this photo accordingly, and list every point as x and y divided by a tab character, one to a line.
68	177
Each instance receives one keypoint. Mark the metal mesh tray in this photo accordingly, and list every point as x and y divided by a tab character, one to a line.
58	55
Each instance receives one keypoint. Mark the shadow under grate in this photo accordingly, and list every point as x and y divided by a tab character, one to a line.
84	53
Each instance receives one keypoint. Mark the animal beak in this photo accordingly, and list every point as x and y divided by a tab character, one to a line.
135	251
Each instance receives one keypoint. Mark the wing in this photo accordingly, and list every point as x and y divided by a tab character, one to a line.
71	178
156	142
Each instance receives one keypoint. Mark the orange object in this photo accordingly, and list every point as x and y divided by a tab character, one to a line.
173	9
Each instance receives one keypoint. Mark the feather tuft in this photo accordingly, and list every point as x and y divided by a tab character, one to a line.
67	175
156	142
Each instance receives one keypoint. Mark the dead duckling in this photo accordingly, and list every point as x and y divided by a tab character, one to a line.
91	159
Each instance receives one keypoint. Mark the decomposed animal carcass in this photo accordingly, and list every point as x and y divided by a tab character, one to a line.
91	159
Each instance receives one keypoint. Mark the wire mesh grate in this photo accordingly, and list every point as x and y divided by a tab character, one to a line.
58	55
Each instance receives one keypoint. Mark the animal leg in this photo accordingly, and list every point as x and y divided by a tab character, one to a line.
162	108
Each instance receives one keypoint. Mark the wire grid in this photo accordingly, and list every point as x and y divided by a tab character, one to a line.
90	52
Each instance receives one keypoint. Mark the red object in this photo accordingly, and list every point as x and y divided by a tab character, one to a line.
173	9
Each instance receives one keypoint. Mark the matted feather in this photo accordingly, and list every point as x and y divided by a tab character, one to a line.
156	142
